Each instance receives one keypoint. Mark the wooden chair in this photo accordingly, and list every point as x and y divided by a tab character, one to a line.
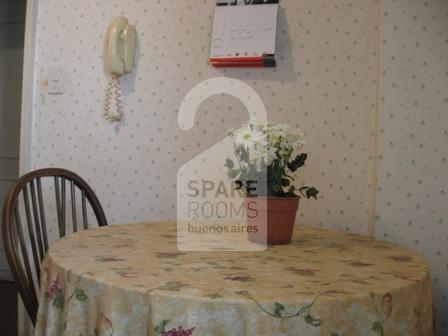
24	242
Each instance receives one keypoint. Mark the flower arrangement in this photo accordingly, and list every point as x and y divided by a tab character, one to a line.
267	157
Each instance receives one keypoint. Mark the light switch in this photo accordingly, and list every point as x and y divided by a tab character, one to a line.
55	80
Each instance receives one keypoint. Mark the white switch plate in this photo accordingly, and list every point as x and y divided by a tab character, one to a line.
55	80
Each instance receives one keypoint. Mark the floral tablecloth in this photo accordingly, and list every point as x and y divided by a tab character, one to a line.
131	280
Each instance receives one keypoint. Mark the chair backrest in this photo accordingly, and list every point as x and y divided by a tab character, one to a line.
26	228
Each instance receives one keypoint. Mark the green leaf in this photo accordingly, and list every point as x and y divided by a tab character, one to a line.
312	320
377	327
298	162
214	296
312	192
232	173
58	301
277	188
230	164
160	328
278	309
172	286
80	295
285	182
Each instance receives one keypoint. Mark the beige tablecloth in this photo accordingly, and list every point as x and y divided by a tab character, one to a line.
131	280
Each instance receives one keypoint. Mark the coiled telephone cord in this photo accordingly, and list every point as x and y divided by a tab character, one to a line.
113	92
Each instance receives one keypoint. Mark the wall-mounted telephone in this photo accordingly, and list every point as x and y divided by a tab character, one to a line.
119	56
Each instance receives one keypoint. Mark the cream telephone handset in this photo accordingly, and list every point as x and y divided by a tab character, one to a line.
119	58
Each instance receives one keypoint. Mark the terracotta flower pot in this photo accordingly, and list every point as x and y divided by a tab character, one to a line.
271	219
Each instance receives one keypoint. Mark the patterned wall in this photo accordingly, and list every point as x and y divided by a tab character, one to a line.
324	84
413	143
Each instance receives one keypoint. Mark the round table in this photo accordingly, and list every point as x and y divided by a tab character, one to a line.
132	280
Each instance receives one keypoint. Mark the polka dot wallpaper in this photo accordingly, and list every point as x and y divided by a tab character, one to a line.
413	139
325	83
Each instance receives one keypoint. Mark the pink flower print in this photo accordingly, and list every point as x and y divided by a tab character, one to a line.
129	275
241	278
104	323
54	288
303	271
169	255
108	259
401	258
386	304
178	332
